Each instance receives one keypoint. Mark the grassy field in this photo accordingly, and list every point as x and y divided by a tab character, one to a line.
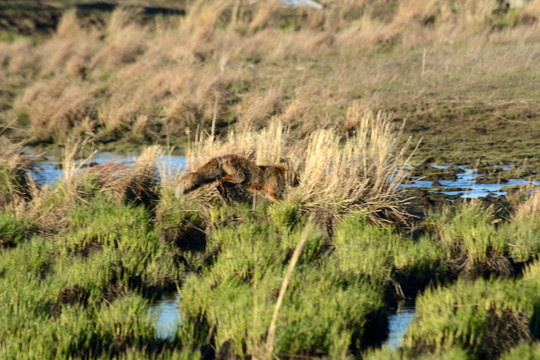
462	77
346	94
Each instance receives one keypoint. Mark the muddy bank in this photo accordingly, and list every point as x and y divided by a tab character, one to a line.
41	18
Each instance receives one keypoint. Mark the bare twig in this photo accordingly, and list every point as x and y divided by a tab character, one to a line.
294	259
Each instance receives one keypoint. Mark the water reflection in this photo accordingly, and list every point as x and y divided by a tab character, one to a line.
466	185
51	169
165	314
398	324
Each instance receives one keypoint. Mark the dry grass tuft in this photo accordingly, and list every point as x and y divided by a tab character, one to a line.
53	108
122	48
529	207
260	110
72	181
363	172
337	175
69	25
16	167
136	183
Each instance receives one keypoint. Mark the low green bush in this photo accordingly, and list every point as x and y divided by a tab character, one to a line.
485	317
14	229
383	255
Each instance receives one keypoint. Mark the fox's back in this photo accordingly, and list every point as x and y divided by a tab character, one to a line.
234	164
239	170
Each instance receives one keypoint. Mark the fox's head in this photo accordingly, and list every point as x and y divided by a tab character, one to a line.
291	177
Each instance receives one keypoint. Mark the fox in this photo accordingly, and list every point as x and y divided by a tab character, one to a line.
235	169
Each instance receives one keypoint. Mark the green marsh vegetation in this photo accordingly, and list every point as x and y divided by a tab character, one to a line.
82	259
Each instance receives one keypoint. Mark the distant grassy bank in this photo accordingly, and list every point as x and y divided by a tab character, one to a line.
462	76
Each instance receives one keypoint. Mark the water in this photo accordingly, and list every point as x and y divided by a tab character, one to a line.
165	314
302	3
398	324
169	165
467	186
50	169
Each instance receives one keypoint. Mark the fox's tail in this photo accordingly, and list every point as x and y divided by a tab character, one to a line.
206	174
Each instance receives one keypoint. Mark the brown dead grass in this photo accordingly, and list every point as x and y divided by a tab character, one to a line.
54	107
529	208
16	167
337	175
135	183
242	66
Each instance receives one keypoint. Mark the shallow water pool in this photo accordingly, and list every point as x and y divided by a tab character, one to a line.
50	169
467	185
398	324
165	314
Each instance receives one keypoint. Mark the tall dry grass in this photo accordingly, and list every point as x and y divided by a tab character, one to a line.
54	108
364	172
135	183
17	166
529	209
337	175
242	66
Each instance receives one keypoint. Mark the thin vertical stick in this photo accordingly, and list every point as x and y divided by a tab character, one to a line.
424	62
284	285
213	131
235	12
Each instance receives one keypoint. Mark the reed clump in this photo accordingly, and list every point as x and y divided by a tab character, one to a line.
135	183
233	297
402	265
14	228
16	173
54	108
337	175
182	223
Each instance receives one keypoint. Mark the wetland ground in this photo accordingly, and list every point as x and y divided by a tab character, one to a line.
380	105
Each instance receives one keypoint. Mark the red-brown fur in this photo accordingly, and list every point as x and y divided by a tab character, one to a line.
271	179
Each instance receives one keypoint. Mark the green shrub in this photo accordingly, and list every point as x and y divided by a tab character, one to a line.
13	229
523	352
379	253
484	317
322	311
